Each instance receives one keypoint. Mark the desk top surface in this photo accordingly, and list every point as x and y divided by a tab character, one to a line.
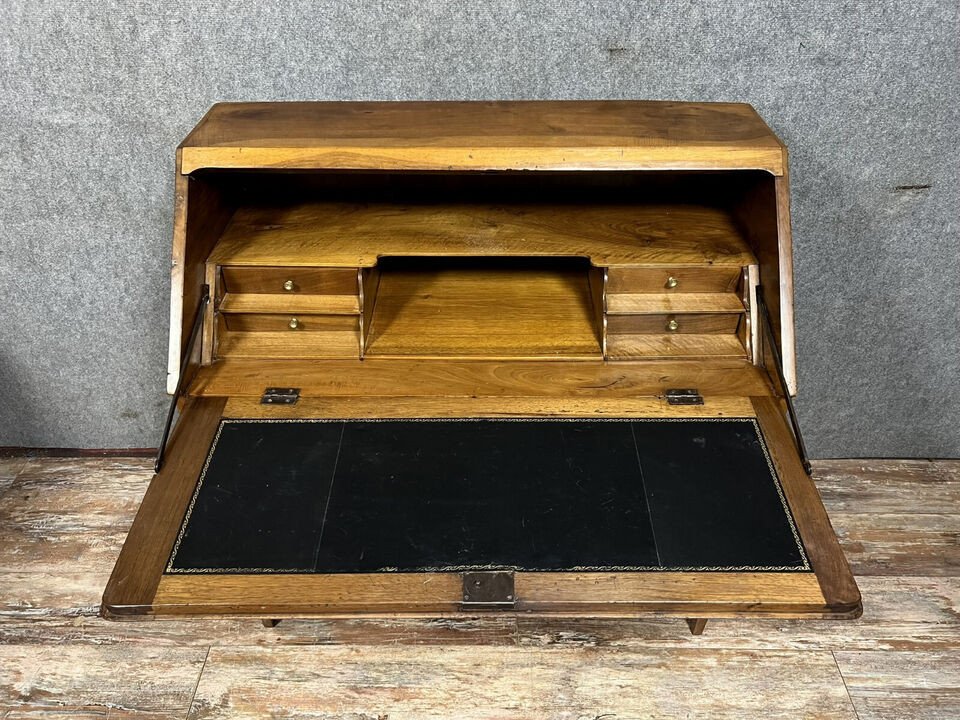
501	135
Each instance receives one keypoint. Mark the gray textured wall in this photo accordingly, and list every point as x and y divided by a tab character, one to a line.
96	95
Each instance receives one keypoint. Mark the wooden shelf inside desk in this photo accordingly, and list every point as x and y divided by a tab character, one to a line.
339	234
484	308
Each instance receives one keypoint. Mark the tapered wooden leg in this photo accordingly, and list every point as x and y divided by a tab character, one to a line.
697	625
270	623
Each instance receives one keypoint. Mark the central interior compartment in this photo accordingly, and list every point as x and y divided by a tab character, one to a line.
486	307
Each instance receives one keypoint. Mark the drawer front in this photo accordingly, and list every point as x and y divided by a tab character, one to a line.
291	280
676	279
290	323
689	323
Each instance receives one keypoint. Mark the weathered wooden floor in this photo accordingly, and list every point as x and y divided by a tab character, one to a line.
62	523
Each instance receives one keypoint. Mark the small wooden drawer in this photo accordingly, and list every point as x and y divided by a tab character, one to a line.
291	280
696	323
673	279
671	303
674	346
290	323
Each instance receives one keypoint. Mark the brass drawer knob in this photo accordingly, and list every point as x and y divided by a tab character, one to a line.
288	285
671	282
673	326
294	323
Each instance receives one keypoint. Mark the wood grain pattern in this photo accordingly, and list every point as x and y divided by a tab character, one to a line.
429	682
263	322
491	313
373	377
597	280
686	323
751	283
902	685
669	593
291	595
311	304
905	613
209	318
785	325
509	135
145	552
819	538
55	514
86	682
668	346
566	594
369	284
306	280
643	303
427	407
763	216
889	543
292	344
896	487
9	468
712	278
357	234
200	214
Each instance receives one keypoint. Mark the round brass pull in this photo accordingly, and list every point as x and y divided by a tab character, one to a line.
673	326
294	323
672	282
288	285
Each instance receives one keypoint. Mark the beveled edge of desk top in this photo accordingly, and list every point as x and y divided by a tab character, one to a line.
484	135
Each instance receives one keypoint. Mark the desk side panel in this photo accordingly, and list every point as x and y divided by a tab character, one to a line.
201	212
763	213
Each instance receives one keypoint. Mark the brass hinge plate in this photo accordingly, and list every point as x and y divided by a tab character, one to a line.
688	396
280	396
488	590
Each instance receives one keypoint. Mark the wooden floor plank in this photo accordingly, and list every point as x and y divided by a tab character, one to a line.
889	486
38	681
899	613
900	544
10	467
484	682
903	613
903	685
69	515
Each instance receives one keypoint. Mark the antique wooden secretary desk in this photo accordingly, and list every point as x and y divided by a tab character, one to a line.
463	358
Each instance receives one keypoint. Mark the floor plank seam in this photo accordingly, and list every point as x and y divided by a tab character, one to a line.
853	703
196	687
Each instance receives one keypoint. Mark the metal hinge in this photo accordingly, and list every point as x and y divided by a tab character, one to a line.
488	590
684	397
280	396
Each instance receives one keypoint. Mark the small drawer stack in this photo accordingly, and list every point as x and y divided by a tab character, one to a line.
677	312
288	312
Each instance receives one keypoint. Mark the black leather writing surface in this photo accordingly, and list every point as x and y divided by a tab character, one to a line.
430	495
451	495
714	498
261	498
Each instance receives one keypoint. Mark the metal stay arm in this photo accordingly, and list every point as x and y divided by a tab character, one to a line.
194	334
775	351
